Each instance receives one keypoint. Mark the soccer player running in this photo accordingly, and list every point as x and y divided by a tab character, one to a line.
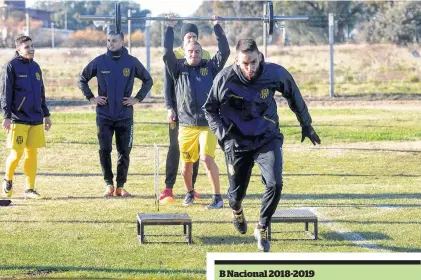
193	78
189	33
25	114
242	112
115	72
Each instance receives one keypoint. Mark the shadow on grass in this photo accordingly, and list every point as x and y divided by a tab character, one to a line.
375	96
338	196
351	196
43	270
366	235
373	222
225	174
207	222
285	204
367	246
233	239
401	249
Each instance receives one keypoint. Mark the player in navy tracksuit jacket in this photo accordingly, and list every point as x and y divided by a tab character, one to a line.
242	112
23	103
115	72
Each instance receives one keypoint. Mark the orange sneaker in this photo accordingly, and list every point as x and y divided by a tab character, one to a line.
166	196
122	192
109	191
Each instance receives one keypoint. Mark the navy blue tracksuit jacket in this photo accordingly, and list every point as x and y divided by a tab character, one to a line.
22	91
247	109
192	83
115	77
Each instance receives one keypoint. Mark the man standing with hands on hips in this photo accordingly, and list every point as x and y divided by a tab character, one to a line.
115	72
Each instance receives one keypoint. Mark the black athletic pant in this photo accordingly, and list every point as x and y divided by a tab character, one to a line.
124	139
173	158
239	167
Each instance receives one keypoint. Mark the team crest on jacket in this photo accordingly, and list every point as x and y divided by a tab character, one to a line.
38	76
264	93
126	72
203	71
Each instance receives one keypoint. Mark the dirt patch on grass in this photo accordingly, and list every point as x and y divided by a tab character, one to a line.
39	272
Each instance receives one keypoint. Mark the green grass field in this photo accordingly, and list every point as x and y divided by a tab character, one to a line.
363	182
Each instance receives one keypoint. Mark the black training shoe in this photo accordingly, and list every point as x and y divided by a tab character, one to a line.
261	235
239	221
189	199
7	188
215	204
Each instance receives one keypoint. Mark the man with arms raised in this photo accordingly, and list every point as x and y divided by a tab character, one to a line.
193	79
189	33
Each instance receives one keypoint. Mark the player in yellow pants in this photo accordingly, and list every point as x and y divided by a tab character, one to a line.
26	115
24	139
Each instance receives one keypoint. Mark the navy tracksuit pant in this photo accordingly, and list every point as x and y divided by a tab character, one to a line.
239	167
123	130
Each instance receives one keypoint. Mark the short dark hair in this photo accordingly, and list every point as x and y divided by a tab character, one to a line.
246	45
196	43
21	39
113	33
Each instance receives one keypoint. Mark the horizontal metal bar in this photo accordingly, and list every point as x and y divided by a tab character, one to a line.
199	18
124	19
97	18
275	18
293	18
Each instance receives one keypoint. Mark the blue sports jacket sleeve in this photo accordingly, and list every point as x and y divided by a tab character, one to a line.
170	59
85	76
291	93
145	77
169	91
212	111
221	56
6	85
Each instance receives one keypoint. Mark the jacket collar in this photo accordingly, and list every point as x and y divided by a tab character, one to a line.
243	79
201	64
117	54
21	58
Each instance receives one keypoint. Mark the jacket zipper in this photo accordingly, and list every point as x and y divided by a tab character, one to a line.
23	100
30	80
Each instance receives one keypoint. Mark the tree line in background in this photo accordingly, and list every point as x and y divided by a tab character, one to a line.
369	21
